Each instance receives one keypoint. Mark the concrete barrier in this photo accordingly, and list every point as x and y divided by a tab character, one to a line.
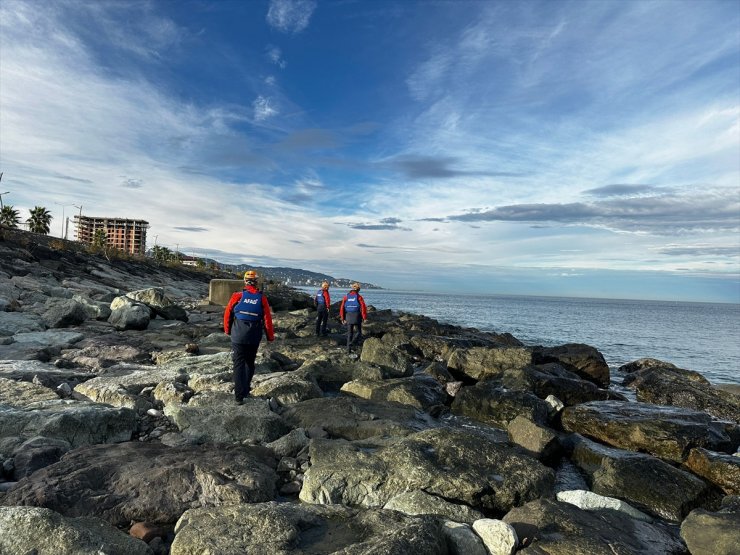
220	290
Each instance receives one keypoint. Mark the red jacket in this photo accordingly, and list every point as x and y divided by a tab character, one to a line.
360	300
235	298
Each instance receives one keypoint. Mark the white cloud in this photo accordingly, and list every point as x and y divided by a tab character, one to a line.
275	55
263	108
290	16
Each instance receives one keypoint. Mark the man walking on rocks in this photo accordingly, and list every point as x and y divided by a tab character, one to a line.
245	318
322	302
353	312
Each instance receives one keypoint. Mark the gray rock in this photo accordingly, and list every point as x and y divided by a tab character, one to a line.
63	313
19	322
389	355
288	528
499	537
290	444
219	419
148	482
26	530
129	315
489	403
582	359
36	453
287	387
418	502
590	501
96	310
21	394
537	441
459	466
480	363
461	540
666	432
421	392
355	418
708	533
77	422
547	526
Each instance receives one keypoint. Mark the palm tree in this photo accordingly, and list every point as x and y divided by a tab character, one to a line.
9	216
40	220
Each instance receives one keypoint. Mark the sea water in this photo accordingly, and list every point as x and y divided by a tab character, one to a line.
704	337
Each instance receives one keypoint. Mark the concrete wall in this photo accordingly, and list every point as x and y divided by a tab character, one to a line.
220	290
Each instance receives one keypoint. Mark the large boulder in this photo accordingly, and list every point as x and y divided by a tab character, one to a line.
63	313
21	394
157	300
287	387
712	533
213	417
492	404
681	388
561	528
581	359
77	422
647	483
720	469
479	363
666	432
389	353
26	530
148	481
127	314
461	467
354	418
421	392
288	528
417	502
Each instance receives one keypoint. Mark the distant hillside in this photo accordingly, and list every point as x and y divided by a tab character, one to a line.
297	277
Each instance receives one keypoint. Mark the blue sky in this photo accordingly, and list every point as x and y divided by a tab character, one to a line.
587	148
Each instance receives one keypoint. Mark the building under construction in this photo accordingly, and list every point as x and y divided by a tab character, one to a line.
120	233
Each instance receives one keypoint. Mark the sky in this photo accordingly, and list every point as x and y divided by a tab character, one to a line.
574	148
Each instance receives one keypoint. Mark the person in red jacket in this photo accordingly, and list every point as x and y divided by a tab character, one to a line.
353	312
246	316
322	302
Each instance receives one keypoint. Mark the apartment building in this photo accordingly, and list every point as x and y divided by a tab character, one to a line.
120	233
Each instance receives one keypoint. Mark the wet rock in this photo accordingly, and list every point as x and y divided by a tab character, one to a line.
490	403
683	388
418	502
666	432
420	392
148	481
720	469
26	530
295	529
459	466
36	453
649	484
547	526
461	540
354	418
581	359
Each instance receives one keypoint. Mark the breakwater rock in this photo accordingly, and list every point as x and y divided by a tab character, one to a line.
119	432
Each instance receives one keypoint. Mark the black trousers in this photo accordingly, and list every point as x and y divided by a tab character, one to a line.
351	337
243	357
322	319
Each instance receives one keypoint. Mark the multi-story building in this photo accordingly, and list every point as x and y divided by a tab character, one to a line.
120	233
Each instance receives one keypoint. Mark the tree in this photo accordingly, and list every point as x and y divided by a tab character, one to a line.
100	239
40	220
161	254
9	216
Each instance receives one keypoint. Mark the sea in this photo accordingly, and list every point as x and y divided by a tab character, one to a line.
704	337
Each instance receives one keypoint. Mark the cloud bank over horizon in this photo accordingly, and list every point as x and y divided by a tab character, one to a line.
390	142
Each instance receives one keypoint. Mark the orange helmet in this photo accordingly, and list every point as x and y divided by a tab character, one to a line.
355	286
250	274
325	285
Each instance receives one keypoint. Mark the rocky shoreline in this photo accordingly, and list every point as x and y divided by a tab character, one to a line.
119	433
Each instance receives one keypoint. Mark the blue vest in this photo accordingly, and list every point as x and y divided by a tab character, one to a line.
249	308
352	304
320	300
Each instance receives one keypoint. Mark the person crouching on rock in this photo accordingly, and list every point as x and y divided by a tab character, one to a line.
353	312
245	318
322	302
